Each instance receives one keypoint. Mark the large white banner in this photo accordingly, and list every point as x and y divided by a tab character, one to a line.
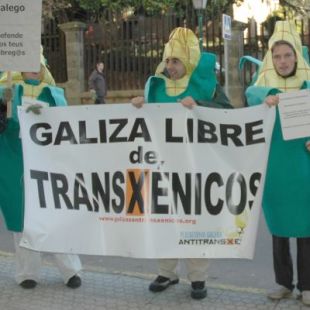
20	35
160	181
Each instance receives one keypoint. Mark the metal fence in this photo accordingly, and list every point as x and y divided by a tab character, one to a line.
132	47
54	46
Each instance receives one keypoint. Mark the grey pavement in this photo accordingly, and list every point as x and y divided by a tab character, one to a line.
102	289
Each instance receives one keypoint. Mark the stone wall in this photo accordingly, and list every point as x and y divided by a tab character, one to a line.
122	96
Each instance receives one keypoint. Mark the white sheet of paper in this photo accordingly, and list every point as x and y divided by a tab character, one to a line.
20	35
294	110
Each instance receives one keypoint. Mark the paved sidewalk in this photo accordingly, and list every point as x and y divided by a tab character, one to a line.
122	291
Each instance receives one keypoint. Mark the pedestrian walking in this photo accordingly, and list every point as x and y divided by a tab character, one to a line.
97	84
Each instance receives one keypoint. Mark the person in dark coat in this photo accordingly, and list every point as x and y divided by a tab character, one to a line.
97	84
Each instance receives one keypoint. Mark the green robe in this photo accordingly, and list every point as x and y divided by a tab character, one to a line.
11	161
286	199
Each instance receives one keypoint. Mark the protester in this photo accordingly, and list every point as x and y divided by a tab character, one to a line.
286	200
28	262
187	76
97	83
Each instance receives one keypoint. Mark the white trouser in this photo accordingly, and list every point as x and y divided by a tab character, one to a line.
196	268
28	263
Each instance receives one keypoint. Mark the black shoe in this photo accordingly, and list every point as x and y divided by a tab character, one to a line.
199	290
28	284
161	283
74	282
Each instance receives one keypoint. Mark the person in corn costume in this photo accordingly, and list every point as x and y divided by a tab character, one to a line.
11	190
36	85
198	80
187	76
286	199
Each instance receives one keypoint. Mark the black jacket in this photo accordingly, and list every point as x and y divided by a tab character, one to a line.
97	82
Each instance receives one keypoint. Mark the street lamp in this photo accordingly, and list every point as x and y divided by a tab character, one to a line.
199	6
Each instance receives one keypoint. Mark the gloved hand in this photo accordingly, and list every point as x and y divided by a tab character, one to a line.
34	108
